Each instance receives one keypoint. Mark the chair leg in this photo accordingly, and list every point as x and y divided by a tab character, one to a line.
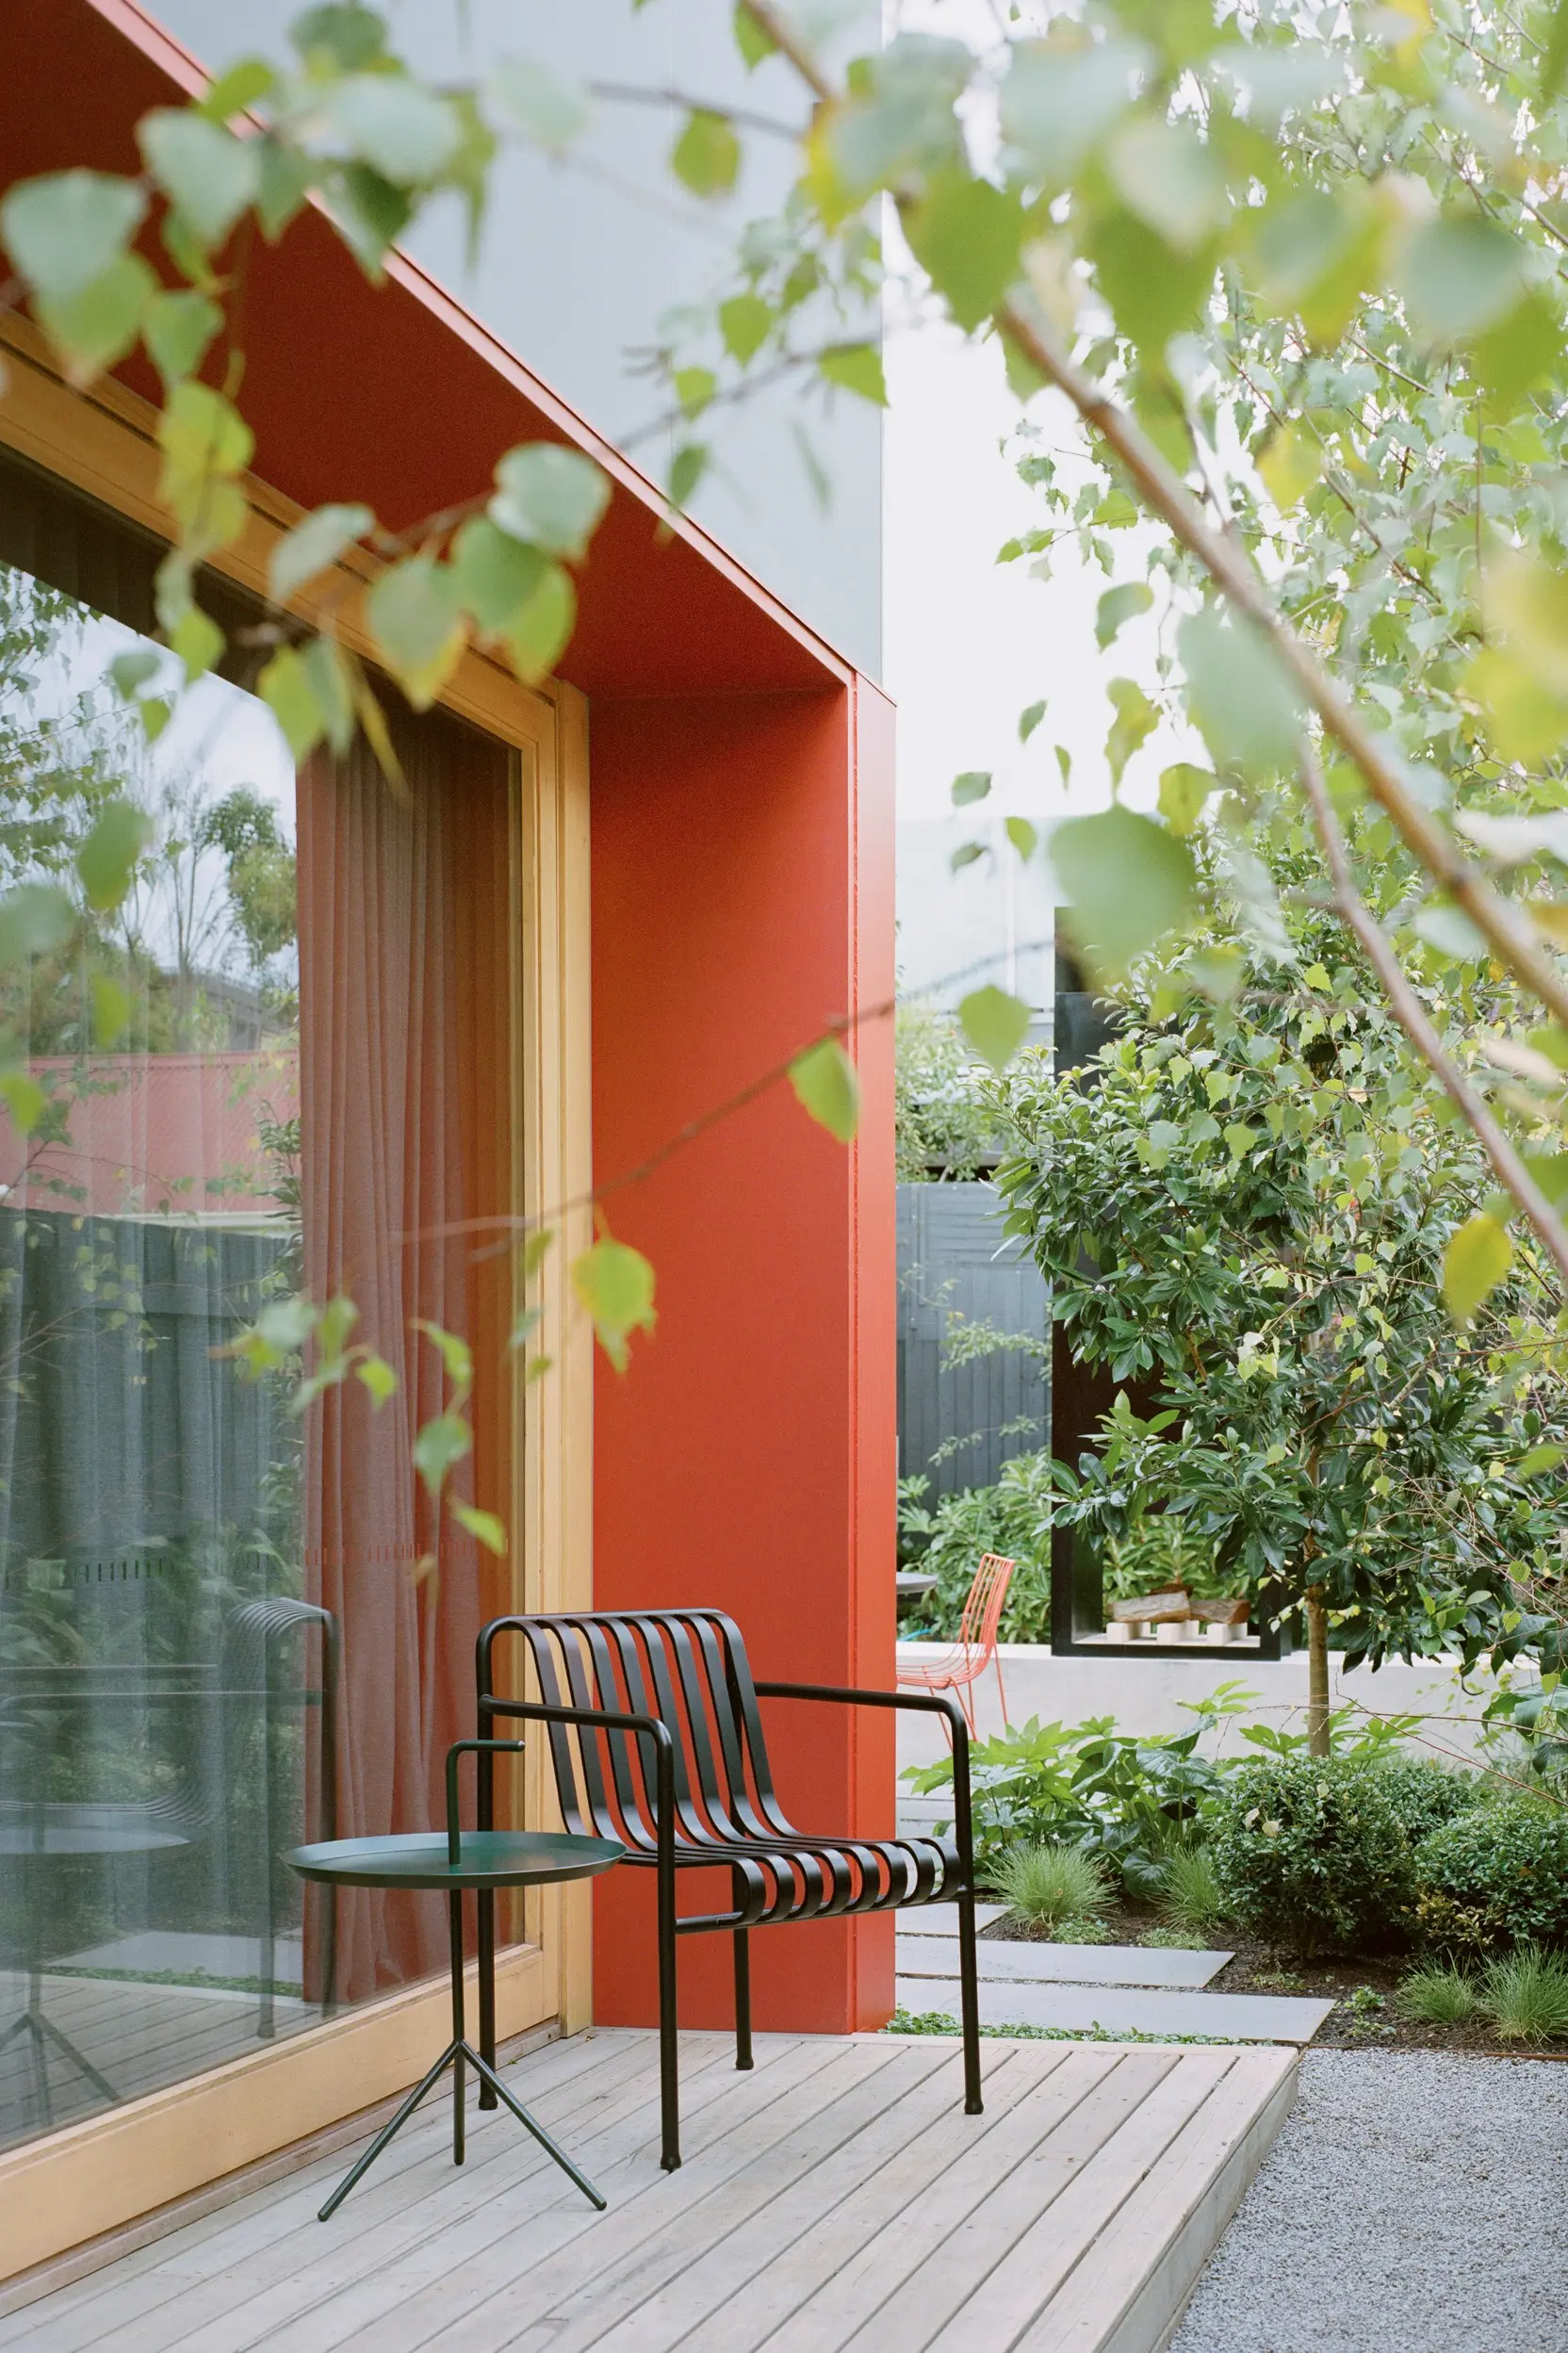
1001	1688
969	1984
669	2048
743	2001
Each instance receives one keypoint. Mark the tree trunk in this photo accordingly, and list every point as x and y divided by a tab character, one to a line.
1317	1673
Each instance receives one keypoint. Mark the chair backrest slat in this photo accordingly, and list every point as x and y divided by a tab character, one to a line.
986	1597
686	1667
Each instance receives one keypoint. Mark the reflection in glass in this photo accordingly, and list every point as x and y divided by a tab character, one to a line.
283	1061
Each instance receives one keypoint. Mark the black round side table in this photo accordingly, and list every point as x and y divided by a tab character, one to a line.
483	1859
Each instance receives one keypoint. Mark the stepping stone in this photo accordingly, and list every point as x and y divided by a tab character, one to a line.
1039	1963
942	1920
1122	2009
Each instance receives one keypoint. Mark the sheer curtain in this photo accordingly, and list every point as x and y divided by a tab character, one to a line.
406	1150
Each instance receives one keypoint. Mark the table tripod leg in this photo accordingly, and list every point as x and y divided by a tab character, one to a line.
454	1915
487	2075
368	2159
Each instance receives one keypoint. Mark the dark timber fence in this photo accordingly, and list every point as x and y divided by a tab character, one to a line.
954	1258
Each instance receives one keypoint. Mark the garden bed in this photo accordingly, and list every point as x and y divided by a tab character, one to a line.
1363	1987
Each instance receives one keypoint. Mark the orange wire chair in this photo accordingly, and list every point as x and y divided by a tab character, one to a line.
959	1669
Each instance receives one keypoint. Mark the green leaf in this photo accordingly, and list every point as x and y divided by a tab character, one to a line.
333	683
965	856
1127	880
490	1532
35	919
1064	761
405	133
238	88
440	1446
1057	104
539	632
745	321
707	157
827	1085
456	1355
750	40
1554	63
343	35
1241	699
314	546
550	107
25	1098
496	574
1135	720
1290	464
177	328
1459	275
966	236
857	367
995	1025
551	495
203	438
65	230
1116	606
107	858
282	182
1240	1139
1022	835
693	388
1153	291
973	785
1164	175
1540	1459
376	1375
111	1012
1184	789
415	618
1523	349
1029	720
99	324
284	686
614	1284
687	469
1526	718
130	672
207	174
1477	1259
198	641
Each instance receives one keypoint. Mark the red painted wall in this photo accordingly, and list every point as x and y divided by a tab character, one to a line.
742	897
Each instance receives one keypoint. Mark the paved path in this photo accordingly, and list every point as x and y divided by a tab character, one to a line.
1413	2204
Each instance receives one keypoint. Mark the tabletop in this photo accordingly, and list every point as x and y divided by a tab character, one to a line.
487	1858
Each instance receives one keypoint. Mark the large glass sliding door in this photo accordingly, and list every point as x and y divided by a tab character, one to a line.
285	1062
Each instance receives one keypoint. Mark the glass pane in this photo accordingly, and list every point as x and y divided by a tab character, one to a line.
226	1627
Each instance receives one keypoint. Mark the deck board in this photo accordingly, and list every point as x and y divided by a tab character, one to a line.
837	2196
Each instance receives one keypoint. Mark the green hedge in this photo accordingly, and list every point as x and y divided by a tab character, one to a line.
1314	1853
1498	1871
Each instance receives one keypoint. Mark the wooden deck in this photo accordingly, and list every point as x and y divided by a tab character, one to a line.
836	2196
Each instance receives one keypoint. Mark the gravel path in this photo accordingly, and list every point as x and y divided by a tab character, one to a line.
1413	2204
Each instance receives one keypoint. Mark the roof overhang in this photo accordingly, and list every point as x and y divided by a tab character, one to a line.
394	394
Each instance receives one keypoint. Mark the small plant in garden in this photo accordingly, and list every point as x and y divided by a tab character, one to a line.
1313	1852
1082	1929
1438	1997
1496	1870
1526	1996
1047	1886
1365	2010
1173	1939
1192	1900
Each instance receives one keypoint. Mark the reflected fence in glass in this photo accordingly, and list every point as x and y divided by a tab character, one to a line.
226	1629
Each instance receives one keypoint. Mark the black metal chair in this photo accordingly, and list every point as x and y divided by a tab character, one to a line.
656	1739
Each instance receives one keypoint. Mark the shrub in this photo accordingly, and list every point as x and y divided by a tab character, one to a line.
1438	1997
947	1539
1049	1884
1312	1852
1425	1796
1526	1995
1192	1900
1495	1871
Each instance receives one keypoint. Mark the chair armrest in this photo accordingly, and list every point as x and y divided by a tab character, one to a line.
931	1702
